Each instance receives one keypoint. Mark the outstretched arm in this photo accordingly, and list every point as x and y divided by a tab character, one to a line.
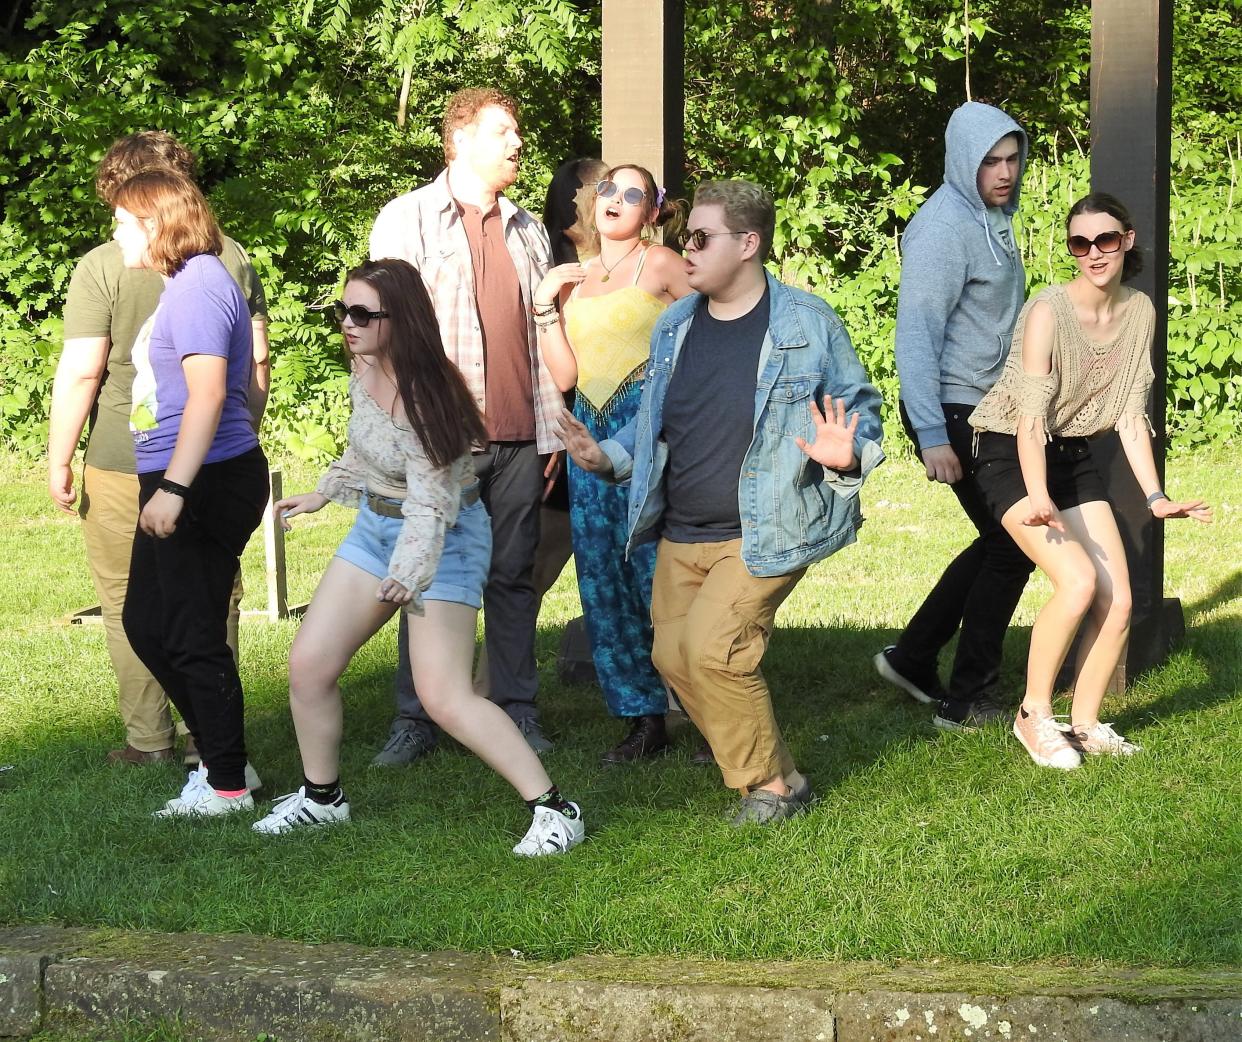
1137	447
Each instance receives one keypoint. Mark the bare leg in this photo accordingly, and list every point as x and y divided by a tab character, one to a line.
1108	627
343	615
1066	563
441	647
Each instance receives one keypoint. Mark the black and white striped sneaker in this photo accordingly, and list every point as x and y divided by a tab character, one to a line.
551	832
297	810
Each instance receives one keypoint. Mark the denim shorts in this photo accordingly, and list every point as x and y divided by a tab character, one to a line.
464	564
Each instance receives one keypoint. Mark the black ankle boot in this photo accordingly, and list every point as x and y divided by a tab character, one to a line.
647	738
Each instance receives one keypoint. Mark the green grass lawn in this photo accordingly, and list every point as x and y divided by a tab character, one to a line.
924	845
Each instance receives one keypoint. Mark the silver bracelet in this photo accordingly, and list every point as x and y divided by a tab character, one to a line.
1154	498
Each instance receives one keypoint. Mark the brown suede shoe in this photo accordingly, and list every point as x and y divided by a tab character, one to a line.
136	756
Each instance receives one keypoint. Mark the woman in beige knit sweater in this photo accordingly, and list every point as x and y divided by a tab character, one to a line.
1080	364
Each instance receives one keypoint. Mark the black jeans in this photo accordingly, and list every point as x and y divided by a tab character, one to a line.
979	591
177	606
511	482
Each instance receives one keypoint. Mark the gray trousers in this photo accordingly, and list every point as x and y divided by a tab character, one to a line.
511	482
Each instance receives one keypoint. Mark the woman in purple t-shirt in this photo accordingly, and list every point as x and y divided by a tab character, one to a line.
202	477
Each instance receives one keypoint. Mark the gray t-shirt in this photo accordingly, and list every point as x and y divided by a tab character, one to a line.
709	422
1001	227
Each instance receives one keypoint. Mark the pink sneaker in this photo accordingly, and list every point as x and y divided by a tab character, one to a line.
1044	739
1101	740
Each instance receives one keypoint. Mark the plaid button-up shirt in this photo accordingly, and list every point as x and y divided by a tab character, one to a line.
425	228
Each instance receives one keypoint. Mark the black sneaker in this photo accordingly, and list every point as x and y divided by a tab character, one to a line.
927	691
955	715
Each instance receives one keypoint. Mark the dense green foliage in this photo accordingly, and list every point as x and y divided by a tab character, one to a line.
307	117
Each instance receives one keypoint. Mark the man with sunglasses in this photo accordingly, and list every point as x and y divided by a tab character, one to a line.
481	257
740	477
962	287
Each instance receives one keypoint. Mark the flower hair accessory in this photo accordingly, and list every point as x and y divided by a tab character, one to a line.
659	196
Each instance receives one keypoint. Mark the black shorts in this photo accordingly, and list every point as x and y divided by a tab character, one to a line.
1072	476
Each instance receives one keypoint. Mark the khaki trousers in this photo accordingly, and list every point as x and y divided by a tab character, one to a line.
713	620
109	511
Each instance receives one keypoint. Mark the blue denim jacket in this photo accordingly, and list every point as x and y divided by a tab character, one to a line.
793	511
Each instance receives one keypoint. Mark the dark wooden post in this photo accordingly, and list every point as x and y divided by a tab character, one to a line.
643	99
1131	124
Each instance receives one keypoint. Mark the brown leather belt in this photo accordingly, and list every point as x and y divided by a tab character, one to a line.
382	506
385	507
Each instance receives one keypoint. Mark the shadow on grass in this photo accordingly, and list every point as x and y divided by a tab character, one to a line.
1227	592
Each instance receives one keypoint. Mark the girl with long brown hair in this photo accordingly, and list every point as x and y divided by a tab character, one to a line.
421	543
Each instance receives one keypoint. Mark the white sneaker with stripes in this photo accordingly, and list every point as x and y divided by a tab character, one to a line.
551	832
297	810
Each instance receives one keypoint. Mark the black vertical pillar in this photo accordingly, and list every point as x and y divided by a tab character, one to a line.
643	100
1131	119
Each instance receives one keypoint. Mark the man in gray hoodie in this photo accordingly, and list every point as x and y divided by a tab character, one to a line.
962	286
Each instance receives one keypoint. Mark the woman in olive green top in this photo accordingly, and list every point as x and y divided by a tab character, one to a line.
106	306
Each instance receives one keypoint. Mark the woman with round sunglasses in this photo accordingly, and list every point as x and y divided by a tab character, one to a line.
598	344
202	478
421	543
1079	365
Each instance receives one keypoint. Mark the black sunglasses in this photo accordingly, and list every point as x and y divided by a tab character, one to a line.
607	189
1105	242
358	315
699	238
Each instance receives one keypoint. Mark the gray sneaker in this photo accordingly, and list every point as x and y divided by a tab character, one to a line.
405	746
533	734
766	808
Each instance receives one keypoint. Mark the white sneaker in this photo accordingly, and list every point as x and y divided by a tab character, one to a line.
199	799
297	811
253	782
551	832
202	802
1102	740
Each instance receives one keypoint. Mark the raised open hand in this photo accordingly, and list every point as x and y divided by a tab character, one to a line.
833	446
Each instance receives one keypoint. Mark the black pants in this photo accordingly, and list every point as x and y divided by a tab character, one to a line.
511	482
177	606
979	591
